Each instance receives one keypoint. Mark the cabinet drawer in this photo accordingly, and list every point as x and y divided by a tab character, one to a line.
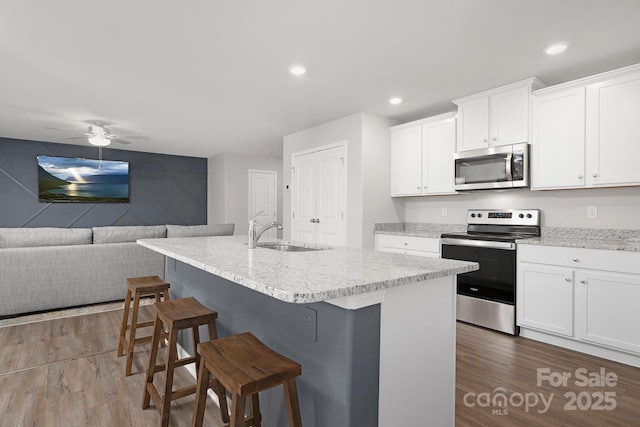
593	259
407	243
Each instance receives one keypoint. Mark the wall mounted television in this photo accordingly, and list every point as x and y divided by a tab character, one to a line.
66	179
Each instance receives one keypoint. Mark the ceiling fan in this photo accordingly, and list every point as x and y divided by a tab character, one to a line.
100	135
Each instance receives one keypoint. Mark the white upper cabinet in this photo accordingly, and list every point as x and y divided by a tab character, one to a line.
495	117
585	133
406	161
614	134
558	139
422	156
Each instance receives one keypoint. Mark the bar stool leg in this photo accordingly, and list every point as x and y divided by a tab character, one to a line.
125	320
237	410
151	370
168	382
293	406
256	417
132	333
201	396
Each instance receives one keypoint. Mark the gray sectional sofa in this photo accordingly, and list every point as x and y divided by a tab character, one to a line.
53	268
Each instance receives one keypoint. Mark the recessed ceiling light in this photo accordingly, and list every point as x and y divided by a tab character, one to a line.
297	70
555	48
395	101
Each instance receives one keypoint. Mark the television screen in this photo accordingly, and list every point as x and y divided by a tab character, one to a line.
65	179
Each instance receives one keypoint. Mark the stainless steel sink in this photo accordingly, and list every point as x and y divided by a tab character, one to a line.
287	247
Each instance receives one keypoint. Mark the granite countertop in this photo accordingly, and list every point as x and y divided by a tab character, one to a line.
418	229
303	277
587	238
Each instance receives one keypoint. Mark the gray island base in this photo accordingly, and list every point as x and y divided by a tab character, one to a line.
374	332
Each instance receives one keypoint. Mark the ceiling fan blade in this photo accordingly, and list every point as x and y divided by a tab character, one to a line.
141	137
120	141
61	130
78	137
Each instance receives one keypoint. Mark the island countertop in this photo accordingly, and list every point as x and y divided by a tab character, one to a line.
304	277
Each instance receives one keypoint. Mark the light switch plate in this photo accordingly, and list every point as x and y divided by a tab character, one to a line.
592	212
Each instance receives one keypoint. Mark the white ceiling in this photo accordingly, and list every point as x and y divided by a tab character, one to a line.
203	77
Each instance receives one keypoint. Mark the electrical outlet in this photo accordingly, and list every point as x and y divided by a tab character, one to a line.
444	211
592	212
311	323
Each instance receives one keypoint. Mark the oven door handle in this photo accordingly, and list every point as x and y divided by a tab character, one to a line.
479	243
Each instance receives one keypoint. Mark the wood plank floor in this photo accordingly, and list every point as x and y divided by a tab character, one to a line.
65	372
488	360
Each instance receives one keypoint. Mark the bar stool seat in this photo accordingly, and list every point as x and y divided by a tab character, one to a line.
244	366
138	287
176	315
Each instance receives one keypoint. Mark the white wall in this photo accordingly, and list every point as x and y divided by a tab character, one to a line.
376	176
617	207
345	129
216	194
233	193
368	176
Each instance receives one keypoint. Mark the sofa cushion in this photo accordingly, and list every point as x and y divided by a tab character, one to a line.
44	236
122	234
200	230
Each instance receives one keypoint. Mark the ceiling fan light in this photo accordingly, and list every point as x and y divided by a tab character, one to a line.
99	140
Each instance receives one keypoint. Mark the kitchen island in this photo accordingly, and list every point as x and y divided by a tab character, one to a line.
374	332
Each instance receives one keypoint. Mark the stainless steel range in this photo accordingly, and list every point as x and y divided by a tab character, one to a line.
487	297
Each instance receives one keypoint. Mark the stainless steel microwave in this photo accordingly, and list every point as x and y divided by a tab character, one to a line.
489	168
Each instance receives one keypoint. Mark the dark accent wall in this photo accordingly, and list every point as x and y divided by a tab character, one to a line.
163	189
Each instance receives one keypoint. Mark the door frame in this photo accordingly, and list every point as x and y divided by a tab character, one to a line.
316	149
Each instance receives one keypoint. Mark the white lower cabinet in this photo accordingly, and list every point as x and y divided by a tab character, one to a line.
545	298
608	309
583	299
408	245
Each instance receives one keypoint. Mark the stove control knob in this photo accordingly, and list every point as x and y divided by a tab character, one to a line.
521	215
473	215
529	216
479	215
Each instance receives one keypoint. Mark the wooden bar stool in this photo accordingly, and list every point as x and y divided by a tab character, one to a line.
138	287
176	315
245	366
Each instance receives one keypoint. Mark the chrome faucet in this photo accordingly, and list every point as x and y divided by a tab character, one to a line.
254	234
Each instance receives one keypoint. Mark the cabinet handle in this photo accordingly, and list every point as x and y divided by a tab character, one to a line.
406	244
583	281
567	279
485	140
594	175
576	260
418	188
494	139
579	176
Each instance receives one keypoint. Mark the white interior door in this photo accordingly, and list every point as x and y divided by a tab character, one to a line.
263	196
303	197
318	196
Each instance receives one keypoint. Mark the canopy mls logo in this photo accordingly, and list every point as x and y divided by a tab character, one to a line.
595	398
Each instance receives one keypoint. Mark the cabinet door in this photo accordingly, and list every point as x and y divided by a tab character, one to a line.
509	116
438	147
558	140
330	196
608	309
473	124
612	140
545	298
406	161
